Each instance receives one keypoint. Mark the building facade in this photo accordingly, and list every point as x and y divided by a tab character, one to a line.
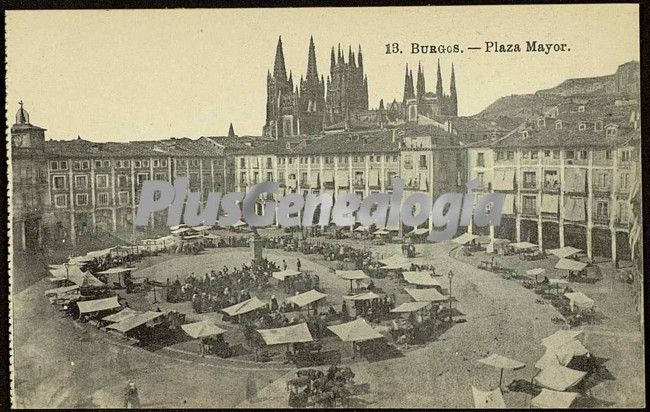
567	177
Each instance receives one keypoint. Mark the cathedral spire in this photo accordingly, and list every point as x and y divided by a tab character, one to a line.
312	70
408	84
453	93
421	87
339	57
360	58
350	56
279	69
332	60
439	91
231	131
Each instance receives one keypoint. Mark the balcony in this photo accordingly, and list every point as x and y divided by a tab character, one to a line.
600	218
551	186
529	211
529	185
359	183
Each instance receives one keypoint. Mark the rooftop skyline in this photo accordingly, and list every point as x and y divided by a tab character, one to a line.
111	75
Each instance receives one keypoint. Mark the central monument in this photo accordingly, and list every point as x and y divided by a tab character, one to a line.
256	242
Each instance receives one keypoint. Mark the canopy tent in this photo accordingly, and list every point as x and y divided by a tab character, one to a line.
420	278
488	399
558	378
553	399
115	271
86	280
561	354
283	274
558	282
565	252
211	236
355	331
419	231
124	314
314	180
579	300
504	179
57	267
568	264
244	307
574	180
192	237
535	272
176	227
352	274
202	329
373	178
328	176
290	334
508	204
135	321
98	305
71	272
306	298
395	260
464	238
239	223
409	307
523	245
80	260
363	296
60	291
501	362
381	232
361	229
561	337
99	253
201	228
182	230
426	295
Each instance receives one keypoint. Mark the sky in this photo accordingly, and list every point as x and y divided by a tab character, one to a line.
124	75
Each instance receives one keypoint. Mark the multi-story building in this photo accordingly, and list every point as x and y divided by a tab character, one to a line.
64	190
567	176
364	162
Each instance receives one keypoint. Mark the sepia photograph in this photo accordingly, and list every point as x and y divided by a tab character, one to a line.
368	207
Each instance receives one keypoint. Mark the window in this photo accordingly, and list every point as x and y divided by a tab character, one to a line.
102	181
145	163
54	165
558	124
581	109
372	158
534	154
59	182
102	199
625	180
570	154
137	163
269	163
123	198
122	181
547	153
242	177
481	178
582	126
602	209
106	163
611	131
98	164
541	122
423	161
551	179
163	163
81	182
269	176
583	155
281	177
126	163
480	159
529	205
63	165
76	165
303	178
394	158
156	163
602	180
140	178
530	180
61	200
524	134
85	165
622	212
195	162
556	154
625	155
608	155
160	176
118	164
81	199
598	126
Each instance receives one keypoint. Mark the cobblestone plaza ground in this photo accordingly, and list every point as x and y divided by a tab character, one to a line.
60	363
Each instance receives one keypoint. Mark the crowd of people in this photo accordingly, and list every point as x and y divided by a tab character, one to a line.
374	309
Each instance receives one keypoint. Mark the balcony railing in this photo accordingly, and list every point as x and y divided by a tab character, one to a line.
529	211
529	185
551	186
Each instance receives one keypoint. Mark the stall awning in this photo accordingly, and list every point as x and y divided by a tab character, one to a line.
535	272
381	232
98	253
523	245
135	321
328	176
178	226
579	300
313	179
283	274
420	278
556	282
574	209
558	378
553	399
351	274
289	334
201	228
87	280
373	178
361	229
508	204
409	307
488	399
202	329
501	362
464	238
244	307
550	203
114	271
306	298
565	252
419	231
363	296
561	354
426	295
355	331
72	272
239	223
182	230
504	179
124	314
60	291
574	180
98	305
342	178
560	337
396	262
568	264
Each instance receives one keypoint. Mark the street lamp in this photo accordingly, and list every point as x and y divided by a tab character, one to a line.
450	275
67	273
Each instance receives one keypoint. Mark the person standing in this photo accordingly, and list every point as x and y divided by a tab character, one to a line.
131	397
298	264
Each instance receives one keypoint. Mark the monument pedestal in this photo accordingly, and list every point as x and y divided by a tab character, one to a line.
256	248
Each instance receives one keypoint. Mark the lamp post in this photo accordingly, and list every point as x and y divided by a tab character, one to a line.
67	272
450	275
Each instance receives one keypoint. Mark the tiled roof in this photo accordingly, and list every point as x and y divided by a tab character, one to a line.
565	137
177	147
